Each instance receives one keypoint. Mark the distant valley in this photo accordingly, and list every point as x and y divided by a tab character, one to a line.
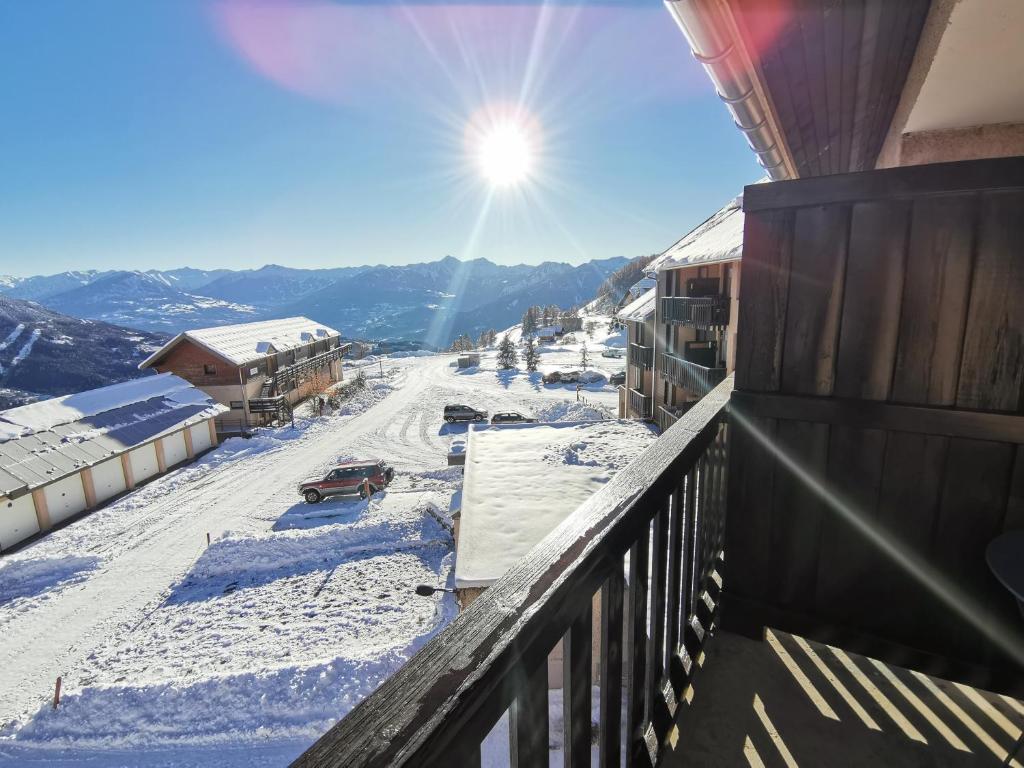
429	302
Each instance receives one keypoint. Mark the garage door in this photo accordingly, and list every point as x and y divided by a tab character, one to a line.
17	520
200	437
108	479
143	461
174	449
65	498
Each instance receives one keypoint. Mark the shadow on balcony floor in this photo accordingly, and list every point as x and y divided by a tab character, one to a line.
788	702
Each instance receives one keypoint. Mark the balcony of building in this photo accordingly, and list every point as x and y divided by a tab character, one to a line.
701	312
697	370
641	356
640	404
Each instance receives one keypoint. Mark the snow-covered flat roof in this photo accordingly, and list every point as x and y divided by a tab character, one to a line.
522	480
719	238
640	308
42	442
244	342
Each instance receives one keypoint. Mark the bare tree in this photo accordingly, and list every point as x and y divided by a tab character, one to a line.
584	356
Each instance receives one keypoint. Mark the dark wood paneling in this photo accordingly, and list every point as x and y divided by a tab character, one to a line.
796	511
815	300
1014	520
871	300
934	301
911	182
847	586
992	370
767	244
833	71
871	415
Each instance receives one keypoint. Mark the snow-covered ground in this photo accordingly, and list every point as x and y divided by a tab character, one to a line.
243	651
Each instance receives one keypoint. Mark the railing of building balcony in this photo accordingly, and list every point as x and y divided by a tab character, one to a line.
301	369
641	356
666	416
692	376
702	312
640	404
664	516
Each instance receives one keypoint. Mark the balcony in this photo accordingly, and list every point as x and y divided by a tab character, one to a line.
641	356
691	376
701	312
667	416
640	404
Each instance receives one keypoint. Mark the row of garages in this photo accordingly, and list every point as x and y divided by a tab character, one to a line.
61	458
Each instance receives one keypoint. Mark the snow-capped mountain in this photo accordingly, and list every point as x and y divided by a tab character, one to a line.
431	302
44	353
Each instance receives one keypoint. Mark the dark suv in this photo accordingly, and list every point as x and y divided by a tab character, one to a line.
453	413
348	478
511	417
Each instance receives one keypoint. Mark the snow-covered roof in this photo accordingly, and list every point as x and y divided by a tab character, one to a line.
522	480
719	238
42	442
244	342
640	309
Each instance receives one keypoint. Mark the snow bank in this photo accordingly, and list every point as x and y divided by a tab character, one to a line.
522	480
570	410
26	578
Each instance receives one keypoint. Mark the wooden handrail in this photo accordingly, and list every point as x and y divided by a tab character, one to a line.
437	709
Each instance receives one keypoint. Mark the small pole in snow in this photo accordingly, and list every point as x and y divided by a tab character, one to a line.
56	693
381	364
207	538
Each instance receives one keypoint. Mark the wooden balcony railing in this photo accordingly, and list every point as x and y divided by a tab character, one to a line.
689	375
290	375
641	356
702	312
640	404
665	512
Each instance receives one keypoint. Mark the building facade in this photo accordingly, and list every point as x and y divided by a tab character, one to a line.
258	370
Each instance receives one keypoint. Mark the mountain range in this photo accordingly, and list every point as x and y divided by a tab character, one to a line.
430	302
45	353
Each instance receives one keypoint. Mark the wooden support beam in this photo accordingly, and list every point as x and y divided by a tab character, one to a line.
42	509
211	423
161	461
89	487
129	475
187	434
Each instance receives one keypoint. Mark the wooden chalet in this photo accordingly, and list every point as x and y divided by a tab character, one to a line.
259	370
795	573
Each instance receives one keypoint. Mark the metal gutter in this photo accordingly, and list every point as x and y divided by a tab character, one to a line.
704	24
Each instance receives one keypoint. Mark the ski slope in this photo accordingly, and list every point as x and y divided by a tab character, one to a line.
243	651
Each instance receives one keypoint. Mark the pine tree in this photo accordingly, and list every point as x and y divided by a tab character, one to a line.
531	355
507	355
529	323
584	356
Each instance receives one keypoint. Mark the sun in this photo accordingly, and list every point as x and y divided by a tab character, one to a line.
504	154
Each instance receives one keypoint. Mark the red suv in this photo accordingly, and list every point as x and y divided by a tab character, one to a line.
348	478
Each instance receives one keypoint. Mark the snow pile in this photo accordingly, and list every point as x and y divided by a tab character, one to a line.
570	410
27	578
522	480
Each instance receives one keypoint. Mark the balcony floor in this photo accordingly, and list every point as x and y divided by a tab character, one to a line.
788	701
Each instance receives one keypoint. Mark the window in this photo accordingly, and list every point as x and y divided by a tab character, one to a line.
237	405
210	370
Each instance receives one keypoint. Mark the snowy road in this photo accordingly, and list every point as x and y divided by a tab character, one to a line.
287	620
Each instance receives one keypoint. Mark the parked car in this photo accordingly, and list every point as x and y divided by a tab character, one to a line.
511	417
614	352
617	378
453	413
348	478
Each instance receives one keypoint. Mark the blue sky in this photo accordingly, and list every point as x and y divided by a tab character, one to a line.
168	133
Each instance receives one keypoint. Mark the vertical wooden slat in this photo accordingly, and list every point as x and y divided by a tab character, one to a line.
611	668
767	241
992	370
871	303
689	563
935	295
674	591
797	512
815	299
528	729
576	691
637	646
656	639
